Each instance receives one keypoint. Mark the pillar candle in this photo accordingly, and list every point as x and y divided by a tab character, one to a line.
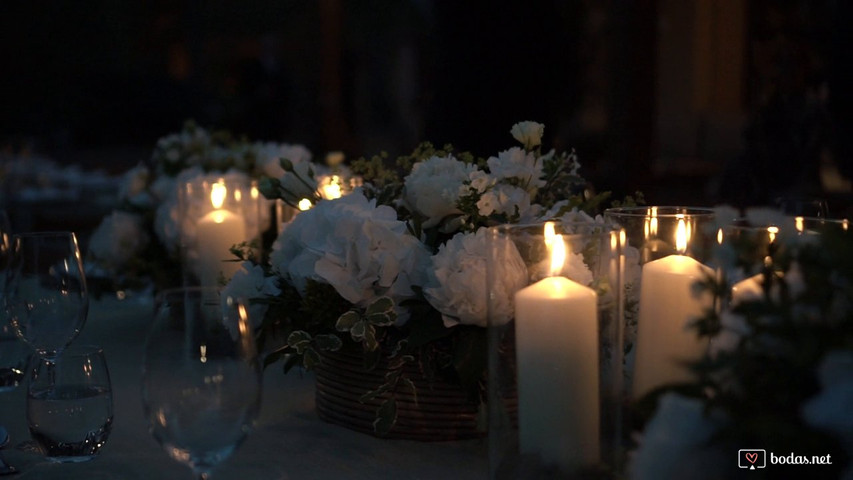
217	232
557	353
667	307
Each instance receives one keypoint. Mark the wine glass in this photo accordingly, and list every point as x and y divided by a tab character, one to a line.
70	404
201	382
14	354
46	295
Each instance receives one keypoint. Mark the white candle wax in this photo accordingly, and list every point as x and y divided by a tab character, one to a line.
557	353
667	306
217	232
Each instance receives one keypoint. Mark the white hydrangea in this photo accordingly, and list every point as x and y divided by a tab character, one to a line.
433	187
119	238
456	284
516	163
249	282
354	245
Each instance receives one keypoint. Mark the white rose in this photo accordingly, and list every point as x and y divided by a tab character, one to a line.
456	284
118	238
516	163
432	188
528	133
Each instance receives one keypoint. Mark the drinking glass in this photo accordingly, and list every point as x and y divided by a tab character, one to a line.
14	354
201	382
70	404
46	294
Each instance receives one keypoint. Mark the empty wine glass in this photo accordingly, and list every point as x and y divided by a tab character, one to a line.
70	404
46	294
201	382
14	354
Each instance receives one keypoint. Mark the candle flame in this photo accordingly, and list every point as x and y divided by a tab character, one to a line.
798	223
255	193
720	236
845	224
772	231
549	232
304	204
653	222
558	255
331	188
681	236
218	192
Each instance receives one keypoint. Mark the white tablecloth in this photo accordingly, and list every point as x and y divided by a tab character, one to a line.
289	442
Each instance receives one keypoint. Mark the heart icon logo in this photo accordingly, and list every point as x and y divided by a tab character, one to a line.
751	456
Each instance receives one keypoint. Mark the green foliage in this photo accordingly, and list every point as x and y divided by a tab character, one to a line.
764	380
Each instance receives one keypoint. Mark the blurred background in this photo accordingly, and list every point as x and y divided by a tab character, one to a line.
692	102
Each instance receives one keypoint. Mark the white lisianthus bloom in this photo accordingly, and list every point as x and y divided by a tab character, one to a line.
133	186
528	133
456	281
432	188
250	282
674	444
118	238
354	245
519	164
305	185
269	154
480	181
504	199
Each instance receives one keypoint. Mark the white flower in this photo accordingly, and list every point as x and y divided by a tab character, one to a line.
504	199
479	181
830	409
432	188
303	186
250	282
269	153
118	238
515	163
674	444
456	284
357	247
528	133
133	186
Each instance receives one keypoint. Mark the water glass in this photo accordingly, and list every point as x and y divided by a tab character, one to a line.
70	404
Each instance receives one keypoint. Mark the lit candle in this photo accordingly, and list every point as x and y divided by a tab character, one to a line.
217	232
667	306
557	352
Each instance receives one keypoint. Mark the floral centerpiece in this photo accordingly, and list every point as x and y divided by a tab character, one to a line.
778	379
139	240
396	270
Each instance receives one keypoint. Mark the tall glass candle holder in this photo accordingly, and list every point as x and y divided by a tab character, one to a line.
667	252
760	258
555	323
217	212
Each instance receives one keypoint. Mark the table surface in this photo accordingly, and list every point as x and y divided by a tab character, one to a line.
289	441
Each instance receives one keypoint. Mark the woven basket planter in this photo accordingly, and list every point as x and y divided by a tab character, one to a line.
441	412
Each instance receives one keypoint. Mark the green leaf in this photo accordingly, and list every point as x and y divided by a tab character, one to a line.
347	321
382	319
370	341
386	417
358	330
311	358
299	340
330	343
380	305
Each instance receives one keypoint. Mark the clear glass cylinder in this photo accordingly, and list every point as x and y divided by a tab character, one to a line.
217	212
667	252
555	367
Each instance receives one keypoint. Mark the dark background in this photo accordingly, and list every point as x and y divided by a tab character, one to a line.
693	102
